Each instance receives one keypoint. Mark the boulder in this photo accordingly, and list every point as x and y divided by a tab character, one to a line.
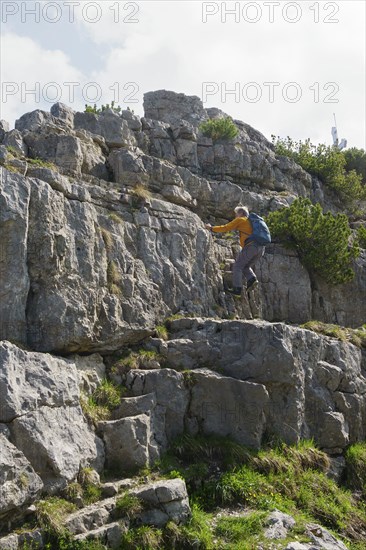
19	483
223	406
65	113
278	525
129	443
41	403
171	107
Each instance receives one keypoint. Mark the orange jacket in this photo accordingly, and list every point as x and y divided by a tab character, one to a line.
241	224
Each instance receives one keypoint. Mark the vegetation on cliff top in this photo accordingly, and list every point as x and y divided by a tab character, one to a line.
323	241
335	168
219	128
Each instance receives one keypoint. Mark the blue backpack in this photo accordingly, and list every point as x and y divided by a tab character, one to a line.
261	234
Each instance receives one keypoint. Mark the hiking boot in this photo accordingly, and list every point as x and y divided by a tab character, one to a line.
236	291
252	283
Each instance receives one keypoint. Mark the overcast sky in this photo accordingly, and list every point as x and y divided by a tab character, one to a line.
291	64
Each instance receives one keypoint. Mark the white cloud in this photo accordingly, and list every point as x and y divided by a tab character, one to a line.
171	48
26	67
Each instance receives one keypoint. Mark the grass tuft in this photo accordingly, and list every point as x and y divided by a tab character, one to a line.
105	398
141	191
354	336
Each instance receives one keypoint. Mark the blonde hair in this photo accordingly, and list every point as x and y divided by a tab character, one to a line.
242	210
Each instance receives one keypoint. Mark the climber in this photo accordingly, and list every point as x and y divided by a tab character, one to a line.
250	253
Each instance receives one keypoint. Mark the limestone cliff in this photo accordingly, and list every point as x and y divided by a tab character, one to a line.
102	239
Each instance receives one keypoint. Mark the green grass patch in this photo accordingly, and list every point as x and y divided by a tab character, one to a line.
236	529
39	163
51	513
105	398
354	336
356	468
143	538
135	360
221	473
128	505
162	332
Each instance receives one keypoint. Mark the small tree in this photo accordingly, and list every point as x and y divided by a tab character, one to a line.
321	240
219	128
356	160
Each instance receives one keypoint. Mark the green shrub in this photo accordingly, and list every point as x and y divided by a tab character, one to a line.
361	236
327	163
321	240
356	160
98	110
219	128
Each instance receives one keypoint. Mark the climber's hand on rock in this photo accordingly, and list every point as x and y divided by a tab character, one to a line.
208	226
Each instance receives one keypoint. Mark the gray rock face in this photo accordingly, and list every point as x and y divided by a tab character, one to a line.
315	384
60	110
221	405
14	205
278	525
129	442
62	261
19	483
169	107
41	405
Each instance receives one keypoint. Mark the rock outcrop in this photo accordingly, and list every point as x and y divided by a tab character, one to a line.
102	239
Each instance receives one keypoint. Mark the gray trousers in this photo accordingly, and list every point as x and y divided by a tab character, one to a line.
246	260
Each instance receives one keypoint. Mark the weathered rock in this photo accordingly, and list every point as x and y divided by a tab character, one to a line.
66	259
14	206
129	443
111	126
33	121
169	107
329	406
167	500
285	286
109	534
171	398
223	406
321	538
19	483
41	405
4	128
91	370
278	525
14	140
60	110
